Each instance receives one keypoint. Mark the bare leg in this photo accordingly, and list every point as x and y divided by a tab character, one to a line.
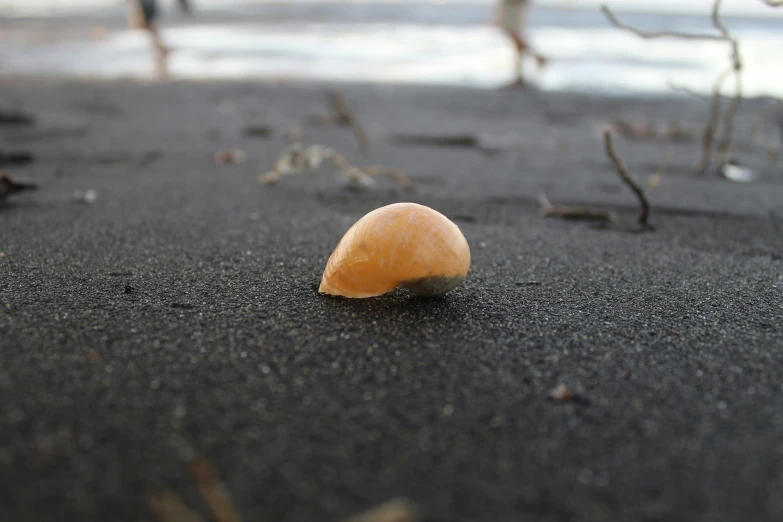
141	15
135	15
520	47
161	53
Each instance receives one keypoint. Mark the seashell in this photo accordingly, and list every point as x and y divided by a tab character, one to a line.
403	244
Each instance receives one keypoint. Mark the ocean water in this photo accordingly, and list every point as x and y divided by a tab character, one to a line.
400	41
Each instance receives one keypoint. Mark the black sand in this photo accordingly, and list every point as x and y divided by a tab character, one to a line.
177	315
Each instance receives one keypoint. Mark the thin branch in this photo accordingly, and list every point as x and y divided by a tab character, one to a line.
712	123
717	21
773	3
625	175
731	112
715	105
757	132
728	121
345	116
648	35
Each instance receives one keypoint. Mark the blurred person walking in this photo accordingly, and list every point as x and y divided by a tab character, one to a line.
143	14
512	19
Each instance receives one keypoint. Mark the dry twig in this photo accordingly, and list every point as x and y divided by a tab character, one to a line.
736	68
347	116
397	510
342	115
573	213
625	175
736	61
708	135
758	135
648	35
641	131
298	159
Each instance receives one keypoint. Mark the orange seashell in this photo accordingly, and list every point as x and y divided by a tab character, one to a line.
403	244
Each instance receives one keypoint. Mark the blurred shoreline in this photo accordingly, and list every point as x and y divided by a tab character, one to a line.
423	43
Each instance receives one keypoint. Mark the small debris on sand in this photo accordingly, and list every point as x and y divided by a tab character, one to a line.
562	393
737	173
88	197
396	510
298	159
230	157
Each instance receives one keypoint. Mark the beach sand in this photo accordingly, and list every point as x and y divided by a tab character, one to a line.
177	315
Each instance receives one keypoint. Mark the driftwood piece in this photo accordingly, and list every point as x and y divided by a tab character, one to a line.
573	213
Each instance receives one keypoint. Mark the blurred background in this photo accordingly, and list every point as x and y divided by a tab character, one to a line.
451	42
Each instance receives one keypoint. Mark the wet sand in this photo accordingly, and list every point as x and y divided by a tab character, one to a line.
177	315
